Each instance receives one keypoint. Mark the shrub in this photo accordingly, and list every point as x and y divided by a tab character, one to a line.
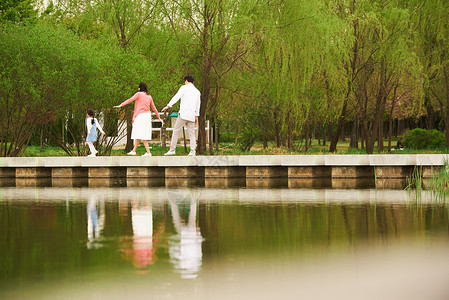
48	79
419	138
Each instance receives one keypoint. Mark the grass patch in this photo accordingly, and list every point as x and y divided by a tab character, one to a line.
229	148
35	151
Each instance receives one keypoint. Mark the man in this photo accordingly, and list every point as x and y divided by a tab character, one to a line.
188	113
399	145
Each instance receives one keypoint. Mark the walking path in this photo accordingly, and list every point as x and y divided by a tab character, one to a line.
249	166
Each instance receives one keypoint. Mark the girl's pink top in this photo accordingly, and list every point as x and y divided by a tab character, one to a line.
143	104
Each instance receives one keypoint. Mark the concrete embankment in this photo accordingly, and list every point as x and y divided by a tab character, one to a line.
210	167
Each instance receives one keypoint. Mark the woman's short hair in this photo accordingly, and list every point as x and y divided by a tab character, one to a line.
189	78
143	87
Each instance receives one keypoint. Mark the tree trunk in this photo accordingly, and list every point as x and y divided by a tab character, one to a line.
211	121
446	127
377	119
216	135
430	120
205	90
446	119
42	137
354	142
390	131
330	131
277	129
340	126
307	139
363	134
289	132
390	118
129	142
380	140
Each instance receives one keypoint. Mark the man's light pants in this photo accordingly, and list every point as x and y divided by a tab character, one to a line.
190	129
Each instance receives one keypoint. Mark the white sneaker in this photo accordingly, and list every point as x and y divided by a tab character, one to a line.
170	152
131	153
192	153
91	155
147	154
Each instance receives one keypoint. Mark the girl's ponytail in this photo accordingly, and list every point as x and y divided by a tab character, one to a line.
91	113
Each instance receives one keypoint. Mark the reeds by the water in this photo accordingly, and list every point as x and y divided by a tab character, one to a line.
437	184
415	180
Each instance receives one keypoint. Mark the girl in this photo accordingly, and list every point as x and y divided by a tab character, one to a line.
141	130
92	125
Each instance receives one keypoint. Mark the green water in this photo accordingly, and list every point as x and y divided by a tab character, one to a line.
58	239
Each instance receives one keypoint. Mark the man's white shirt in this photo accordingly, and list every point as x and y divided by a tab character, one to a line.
190	102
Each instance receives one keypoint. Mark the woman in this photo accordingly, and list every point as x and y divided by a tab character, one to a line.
141	118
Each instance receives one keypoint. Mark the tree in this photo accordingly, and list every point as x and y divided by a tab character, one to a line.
433	30
217	31
382	49
109	20
295	44
17	10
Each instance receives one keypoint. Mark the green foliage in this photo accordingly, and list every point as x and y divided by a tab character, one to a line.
270	71
50	76
424	139
17	11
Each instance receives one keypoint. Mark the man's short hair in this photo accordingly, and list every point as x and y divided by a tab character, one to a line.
189	78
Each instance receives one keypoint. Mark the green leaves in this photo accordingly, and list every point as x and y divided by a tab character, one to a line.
305	60
17	11
50	74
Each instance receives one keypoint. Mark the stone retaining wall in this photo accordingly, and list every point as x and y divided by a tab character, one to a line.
244	166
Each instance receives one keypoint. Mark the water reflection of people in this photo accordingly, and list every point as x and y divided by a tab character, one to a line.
142	250
95	222
185	248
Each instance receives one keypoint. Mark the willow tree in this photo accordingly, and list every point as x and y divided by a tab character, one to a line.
298	42
116	22
394	53
359	21
220	34
381	50
44	70
431	19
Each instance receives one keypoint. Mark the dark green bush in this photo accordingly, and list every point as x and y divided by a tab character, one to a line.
226	137
419	138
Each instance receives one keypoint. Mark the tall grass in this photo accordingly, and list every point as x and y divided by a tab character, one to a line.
414	183
437	184
415	180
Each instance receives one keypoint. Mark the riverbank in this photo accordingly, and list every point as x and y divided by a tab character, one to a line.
375	166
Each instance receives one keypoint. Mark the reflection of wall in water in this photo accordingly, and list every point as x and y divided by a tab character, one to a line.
272	228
